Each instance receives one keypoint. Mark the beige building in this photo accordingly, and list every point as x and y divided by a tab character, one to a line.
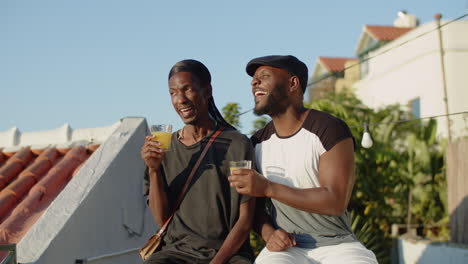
332	74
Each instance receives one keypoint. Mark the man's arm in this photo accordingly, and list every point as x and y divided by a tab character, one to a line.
275	239
336	177
157	197
152	155
261	223
238	234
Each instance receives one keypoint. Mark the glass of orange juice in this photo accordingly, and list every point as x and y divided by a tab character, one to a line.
241	164
162	134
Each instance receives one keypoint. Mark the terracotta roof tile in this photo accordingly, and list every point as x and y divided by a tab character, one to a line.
386	33
29	183
14	165
10	196
334	64
2	159
8	154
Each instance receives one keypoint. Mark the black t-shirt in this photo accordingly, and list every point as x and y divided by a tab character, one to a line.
210	207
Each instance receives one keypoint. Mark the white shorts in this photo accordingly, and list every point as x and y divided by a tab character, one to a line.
349	252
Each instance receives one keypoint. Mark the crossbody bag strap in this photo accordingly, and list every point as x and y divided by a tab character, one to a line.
189	179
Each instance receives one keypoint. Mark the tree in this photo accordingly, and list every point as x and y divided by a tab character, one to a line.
259	123
231	113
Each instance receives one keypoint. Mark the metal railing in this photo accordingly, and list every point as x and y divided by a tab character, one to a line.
11	257
106	256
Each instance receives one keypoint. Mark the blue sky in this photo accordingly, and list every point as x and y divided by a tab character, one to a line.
91	62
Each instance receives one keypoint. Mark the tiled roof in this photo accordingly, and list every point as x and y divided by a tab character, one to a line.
30	179
334	64
386	33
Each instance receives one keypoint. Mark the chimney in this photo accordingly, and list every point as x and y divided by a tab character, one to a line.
406	20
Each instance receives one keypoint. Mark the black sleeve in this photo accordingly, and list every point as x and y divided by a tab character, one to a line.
336	131
328	128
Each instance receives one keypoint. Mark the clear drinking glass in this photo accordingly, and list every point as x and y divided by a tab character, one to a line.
241	164
162	133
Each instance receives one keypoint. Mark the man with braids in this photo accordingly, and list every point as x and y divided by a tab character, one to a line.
213	221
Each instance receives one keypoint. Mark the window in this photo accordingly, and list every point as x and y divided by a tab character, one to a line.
415	107
364	65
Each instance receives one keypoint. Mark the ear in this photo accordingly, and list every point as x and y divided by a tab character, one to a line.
294	84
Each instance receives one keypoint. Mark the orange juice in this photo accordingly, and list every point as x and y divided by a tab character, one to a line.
164	138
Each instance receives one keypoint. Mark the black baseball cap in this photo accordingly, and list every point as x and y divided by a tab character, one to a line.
287	62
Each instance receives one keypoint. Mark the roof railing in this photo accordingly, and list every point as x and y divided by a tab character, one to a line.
106	256
11	257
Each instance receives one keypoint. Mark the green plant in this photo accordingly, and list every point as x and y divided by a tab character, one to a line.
256	242
401	175
372	240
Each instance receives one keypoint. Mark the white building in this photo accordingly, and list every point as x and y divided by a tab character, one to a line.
406	68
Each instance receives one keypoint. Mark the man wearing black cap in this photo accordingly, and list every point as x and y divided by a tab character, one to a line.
306	162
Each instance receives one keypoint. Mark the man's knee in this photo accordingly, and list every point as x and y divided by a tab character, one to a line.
352	252
290	256
238	259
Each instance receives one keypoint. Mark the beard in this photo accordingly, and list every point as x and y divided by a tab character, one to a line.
274	102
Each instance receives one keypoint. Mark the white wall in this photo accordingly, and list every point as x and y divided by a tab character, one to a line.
86	219
456	68
413	252
13	139
414	70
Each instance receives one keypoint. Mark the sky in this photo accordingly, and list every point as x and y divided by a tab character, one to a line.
91	62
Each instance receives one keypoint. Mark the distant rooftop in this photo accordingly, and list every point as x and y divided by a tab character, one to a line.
386	33
374	36
334	64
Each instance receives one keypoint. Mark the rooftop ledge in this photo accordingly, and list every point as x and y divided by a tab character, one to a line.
11	140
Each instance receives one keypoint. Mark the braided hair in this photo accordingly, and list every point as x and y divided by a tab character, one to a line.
202	74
